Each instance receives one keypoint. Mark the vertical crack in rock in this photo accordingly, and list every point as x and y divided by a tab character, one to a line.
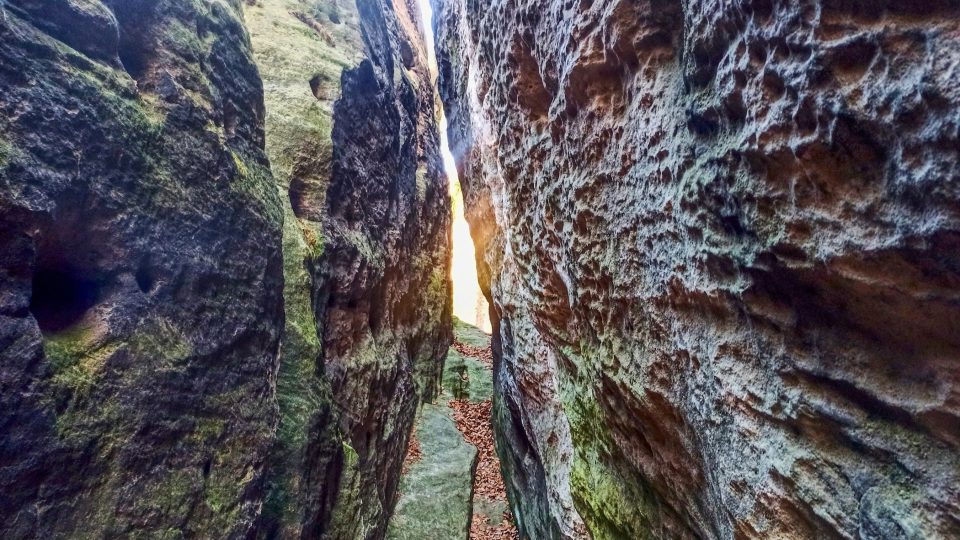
301	54
720	242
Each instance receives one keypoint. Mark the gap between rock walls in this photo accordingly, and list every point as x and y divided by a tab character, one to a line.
452	485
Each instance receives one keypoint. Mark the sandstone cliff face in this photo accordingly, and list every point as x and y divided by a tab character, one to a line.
141	271
167	319
721	244
353	141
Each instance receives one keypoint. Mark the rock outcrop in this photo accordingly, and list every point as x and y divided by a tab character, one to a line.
352	138
141	271
387	289
720	240
184	350
301	71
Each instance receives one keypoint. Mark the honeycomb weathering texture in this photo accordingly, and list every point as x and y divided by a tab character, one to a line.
722	246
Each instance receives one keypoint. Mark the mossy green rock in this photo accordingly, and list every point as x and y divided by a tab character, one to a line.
307	458
381	284
345	269
470	334
466	378
172	311
436	494
141	271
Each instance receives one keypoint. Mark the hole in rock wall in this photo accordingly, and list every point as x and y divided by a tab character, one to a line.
315	87
60	298
147	278
469	304
66	283
134	62
135	49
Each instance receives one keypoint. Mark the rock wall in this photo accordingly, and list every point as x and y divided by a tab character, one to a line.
184	350
301	53
141	271
352	137
720	240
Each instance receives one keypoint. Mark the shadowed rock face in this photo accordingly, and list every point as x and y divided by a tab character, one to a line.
721	245
353	143
167	321
140	297
382	282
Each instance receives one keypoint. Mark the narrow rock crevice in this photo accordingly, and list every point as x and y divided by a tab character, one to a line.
452	485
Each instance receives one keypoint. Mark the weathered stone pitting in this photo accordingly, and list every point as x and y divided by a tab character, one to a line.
718	241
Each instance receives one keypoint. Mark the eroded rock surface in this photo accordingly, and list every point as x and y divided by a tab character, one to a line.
301	54
721	244
140	271
184	351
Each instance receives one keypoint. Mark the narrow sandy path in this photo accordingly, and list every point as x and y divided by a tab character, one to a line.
451	486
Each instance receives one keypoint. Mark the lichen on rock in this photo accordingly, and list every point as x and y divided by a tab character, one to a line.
169	304
718	239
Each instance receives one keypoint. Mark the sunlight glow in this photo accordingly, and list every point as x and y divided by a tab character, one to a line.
469	304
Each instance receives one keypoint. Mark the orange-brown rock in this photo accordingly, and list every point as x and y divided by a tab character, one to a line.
720	241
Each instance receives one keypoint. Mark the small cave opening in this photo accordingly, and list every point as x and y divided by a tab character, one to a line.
134	62
315	86
61	297
147	278
135	50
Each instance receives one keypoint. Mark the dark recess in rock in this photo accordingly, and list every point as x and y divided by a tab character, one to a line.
61	297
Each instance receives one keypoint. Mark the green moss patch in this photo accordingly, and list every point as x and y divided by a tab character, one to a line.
6	152
470	334
161	340
301	73
465	377
436	493
613	502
